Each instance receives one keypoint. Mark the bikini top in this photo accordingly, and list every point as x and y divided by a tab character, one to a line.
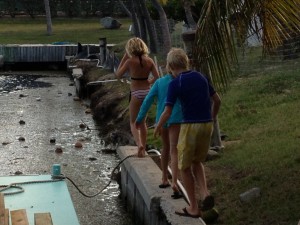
139	78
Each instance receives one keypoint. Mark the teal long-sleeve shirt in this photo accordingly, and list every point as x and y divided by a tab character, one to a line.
159	92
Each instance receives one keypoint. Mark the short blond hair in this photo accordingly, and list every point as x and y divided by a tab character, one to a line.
177	59
136	47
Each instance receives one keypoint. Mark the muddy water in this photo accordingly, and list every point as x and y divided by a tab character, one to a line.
39	108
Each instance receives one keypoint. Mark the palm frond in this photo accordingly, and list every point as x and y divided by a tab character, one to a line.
224	24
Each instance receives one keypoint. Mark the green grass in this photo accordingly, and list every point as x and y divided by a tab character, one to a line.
260	115
33	31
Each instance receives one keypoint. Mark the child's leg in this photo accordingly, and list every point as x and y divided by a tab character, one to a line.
143	137
165	154
199	172
173	137
186	149
134	107
202	147
189	185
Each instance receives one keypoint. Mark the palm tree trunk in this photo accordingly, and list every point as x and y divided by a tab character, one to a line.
150	27
188	13
136	27
125	8
48	17
164	27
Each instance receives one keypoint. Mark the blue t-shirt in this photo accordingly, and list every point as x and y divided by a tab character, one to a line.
159	92
194	92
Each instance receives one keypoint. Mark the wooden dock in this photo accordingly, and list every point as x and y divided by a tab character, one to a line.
36	53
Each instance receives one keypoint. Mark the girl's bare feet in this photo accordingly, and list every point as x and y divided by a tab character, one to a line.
141	152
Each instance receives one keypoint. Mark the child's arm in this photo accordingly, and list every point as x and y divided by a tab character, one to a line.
154	72
123	66
163	119
148	101
123	60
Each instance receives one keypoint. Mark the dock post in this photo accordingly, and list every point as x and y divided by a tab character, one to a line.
102	46
1	61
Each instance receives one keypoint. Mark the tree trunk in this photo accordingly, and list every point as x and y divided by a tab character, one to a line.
48	17
141	21
125	8
150	27
188	13
164	27
135	21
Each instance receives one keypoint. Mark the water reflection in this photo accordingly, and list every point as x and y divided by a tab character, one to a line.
46	105
10	83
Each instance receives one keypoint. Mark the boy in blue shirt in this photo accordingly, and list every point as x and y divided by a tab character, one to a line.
200	104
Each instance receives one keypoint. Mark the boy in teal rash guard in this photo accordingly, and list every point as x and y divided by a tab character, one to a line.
170	131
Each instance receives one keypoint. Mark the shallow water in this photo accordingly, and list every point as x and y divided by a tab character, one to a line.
45	102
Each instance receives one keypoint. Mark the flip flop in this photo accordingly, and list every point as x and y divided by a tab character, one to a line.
208	203
186	213
176	195
164	185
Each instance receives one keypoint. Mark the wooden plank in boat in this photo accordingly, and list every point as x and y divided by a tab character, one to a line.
6	218
2	209
19	217
42	219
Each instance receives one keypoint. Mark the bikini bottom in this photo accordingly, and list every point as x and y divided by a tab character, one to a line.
140	94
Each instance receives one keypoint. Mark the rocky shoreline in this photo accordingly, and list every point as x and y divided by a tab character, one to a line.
108	103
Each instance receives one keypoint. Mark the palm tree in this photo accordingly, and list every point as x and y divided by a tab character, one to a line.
214	51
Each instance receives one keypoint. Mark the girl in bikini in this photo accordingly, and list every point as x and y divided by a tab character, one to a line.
137	62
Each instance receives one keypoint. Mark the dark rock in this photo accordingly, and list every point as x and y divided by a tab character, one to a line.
92	158
58	149
6	143
110	23
78	144
18	173
21	139
82	125
22	122
22	95
52	140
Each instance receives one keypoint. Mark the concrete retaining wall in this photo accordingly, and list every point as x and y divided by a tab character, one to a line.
148	204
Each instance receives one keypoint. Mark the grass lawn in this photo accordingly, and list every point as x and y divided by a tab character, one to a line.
85	31
259	114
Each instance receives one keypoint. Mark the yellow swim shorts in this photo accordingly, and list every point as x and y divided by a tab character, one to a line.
193	143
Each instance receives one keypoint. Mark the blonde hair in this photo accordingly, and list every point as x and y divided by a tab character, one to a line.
177	59
136	47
